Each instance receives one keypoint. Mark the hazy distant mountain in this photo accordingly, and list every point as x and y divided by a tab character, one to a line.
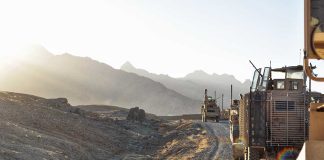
85	81
193	84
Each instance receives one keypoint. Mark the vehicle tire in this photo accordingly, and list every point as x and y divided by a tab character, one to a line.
253	154
238	151
217	119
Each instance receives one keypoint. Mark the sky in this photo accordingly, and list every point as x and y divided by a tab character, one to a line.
173	37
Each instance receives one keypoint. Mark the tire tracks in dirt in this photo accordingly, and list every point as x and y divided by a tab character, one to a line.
221	147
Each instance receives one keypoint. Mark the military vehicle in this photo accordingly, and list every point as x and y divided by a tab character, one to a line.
225	114
234	118
237	146
234	121
274	116
210	110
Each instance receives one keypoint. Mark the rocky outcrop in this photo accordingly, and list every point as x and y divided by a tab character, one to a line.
136	114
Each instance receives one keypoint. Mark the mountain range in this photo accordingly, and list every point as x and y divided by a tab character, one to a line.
83	80
193	84
86	81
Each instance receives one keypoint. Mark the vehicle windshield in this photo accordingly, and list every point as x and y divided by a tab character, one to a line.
295	74
278	75
255	81
265	78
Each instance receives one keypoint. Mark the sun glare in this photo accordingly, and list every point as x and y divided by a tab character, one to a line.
13	50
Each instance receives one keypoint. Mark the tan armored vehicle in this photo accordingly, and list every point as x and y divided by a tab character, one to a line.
273	117
237	147
225	114
234	121
210	110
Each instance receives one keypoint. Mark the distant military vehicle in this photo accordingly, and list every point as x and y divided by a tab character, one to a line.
225	114
238	148
273	117
234	118
210	110
234	121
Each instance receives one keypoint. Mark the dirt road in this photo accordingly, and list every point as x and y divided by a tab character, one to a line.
221	147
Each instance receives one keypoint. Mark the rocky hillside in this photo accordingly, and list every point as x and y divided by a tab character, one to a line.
193	84
86	81
38	128
35	128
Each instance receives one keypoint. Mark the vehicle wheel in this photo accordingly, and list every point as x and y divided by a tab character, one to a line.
238	151
217	119
253	154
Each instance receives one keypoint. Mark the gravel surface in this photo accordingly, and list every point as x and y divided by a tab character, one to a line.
221	147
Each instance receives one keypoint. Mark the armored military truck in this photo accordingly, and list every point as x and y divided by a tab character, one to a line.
237	146
210	110
234	121
273	117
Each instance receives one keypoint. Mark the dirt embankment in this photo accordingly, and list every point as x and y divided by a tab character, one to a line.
36	128
184	140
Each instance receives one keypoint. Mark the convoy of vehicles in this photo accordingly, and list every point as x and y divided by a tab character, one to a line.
279	114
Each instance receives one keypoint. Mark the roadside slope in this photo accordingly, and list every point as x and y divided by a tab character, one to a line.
35	128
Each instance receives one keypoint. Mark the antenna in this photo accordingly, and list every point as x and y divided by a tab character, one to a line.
270	74
256	68
300	56
231	95
222	102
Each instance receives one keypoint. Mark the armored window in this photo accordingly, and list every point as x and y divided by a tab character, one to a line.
280	84
265	79
293	85
284	105
256	79
295	74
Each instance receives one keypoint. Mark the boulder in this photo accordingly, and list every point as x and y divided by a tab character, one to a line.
136	114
